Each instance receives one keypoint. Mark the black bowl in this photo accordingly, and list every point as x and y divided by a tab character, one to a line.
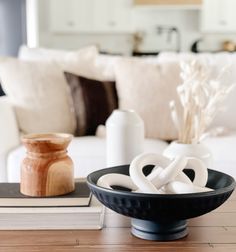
161	216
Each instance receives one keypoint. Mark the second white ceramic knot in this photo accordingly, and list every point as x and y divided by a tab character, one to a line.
156	179
167	171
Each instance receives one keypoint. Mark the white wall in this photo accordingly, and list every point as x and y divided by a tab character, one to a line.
146	20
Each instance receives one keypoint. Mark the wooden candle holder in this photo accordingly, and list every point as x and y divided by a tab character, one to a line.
47	170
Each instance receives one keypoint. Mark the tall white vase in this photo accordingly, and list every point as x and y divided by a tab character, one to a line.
198	150
124	137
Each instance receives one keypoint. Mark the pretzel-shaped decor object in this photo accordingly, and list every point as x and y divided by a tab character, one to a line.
109	180
166	177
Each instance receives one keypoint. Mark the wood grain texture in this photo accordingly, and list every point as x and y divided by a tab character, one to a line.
47	170
213	232
215	219
151	248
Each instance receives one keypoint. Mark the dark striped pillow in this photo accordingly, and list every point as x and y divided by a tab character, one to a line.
93	102
1	91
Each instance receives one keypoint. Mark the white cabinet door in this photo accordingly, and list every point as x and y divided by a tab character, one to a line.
100	15
83	15
112	15
230	13
90	16
121	11
218	16
70	15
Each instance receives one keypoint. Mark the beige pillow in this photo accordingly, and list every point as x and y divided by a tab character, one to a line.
105	65
147	87
39	93
215	63
86	62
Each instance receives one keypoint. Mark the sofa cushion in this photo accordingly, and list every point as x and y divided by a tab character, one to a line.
148	87
86	61
216	62
39	94
88	154
52	54
9	134
93	102
105	64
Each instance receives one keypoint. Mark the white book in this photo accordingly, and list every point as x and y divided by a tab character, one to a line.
115	220
48	218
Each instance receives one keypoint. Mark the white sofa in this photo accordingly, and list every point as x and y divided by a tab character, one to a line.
88	153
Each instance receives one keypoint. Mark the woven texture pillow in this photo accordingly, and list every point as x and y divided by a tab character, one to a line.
215	62
148	88
39	94
85	62
93	102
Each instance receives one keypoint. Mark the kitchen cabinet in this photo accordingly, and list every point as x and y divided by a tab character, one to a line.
69	15
90	16
112	15
218	16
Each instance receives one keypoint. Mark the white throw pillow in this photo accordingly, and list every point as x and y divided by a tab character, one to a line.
216	62
86	62
148	87
39	94
106	63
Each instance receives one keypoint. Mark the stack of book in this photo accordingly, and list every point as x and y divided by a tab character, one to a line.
76	210
115	220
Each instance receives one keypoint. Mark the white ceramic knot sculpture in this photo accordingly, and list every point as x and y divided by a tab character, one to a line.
167	175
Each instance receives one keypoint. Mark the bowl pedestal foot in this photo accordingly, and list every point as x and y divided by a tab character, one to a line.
159	231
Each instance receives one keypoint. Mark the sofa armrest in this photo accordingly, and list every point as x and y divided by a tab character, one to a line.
9	134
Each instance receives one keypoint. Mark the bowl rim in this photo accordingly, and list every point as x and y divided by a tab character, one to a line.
215	192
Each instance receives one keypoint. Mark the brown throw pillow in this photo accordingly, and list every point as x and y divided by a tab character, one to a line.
93	102
1	91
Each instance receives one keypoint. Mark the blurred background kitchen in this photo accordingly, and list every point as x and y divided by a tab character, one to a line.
129	27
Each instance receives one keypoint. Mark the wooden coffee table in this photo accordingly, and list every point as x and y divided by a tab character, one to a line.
213	232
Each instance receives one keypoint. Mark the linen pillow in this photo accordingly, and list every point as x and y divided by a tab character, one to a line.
105	63
85	62
93	102
39	94
215	62
147	87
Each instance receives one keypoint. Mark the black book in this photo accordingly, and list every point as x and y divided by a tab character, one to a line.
10	196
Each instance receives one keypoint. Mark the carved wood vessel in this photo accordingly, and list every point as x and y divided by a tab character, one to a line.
47	170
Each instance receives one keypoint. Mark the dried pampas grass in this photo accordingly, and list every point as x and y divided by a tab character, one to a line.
201	98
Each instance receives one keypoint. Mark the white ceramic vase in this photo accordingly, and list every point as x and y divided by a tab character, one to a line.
198	150
124	137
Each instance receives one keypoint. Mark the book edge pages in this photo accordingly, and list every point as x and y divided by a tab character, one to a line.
95	206
96	219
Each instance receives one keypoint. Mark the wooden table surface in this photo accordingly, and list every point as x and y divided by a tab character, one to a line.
213	232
